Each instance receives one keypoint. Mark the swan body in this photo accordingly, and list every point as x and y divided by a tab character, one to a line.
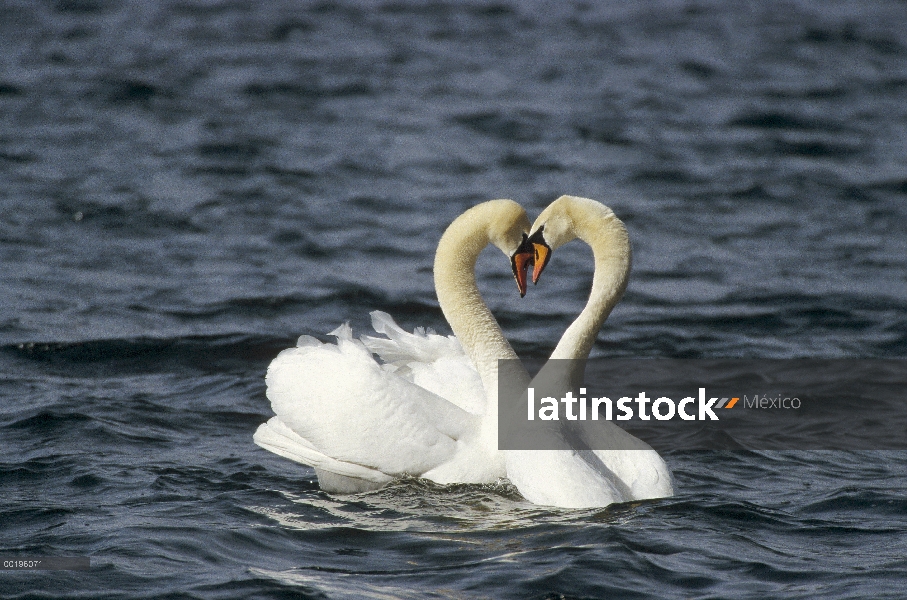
588	478
429	409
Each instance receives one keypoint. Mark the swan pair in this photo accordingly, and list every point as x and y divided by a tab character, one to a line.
429	407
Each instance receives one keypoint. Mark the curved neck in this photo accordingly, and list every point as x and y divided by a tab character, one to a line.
607	236
461	303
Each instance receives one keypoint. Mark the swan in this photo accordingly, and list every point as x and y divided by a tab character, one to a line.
575	478
429	409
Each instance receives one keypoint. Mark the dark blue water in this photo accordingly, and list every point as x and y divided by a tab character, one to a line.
186	187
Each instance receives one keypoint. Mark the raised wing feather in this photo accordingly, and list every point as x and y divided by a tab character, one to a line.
434	362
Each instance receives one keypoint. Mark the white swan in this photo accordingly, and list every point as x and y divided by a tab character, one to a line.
429	410
588	478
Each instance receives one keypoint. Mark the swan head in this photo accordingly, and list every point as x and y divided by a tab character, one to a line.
502	223
551	230
508	231
560	223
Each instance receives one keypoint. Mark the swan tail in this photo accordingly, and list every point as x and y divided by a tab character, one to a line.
561	478
276	437
341	484
644	472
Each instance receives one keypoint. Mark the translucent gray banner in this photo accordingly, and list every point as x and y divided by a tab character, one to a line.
45	563
708	404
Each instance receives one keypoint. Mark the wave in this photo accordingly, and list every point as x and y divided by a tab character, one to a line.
144	354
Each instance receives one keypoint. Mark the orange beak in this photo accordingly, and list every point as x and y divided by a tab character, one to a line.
520	263
541	256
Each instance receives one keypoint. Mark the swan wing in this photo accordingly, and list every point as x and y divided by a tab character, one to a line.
434	362
642	471
401	347
344	404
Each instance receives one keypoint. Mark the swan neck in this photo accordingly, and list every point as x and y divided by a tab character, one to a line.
462	304
611	250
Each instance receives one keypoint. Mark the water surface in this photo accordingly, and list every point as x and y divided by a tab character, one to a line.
189	186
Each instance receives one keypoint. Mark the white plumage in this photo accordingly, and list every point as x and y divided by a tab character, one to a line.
429	407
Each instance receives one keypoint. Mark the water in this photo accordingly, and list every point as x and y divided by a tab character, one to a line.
189	186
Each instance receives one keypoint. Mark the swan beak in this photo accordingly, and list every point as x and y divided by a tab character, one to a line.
520	262
542	254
